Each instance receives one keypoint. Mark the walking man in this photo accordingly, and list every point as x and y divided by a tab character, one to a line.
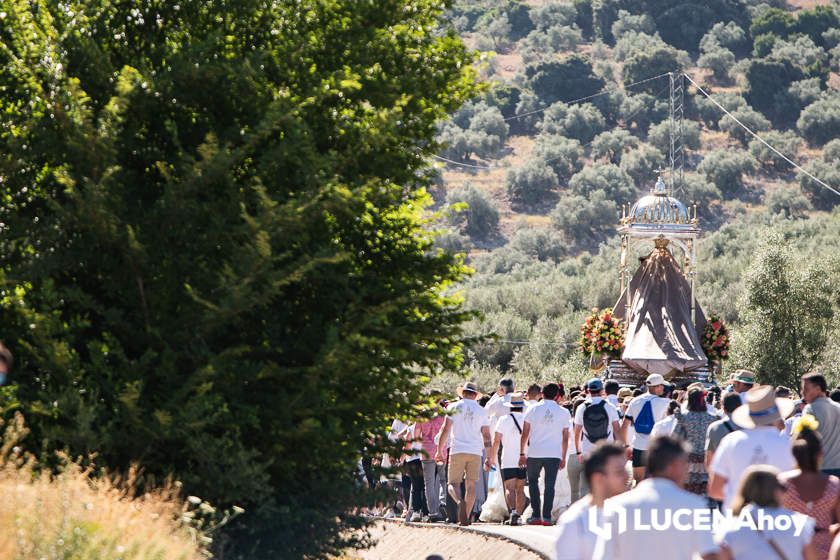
642	413
595	419
827	412
470	429
542	448
759	442
606	477
507	435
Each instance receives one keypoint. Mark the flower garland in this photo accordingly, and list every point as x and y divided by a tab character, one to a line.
715	339
602	333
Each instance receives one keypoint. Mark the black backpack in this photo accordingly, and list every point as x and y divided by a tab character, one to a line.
596	421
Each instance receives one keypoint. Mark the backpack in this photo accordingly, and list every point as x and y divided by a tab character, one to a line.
596	421
643	424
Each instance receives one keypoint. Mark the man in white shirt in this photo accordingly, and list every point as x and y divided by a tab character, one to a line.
507	435
652	501
546	437
759	442
495	407
606	477
470	428
601	418
642	413
742	381
532	396
611	388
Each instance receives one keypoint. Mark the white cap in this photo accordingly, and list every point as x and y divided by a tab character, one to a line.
654	379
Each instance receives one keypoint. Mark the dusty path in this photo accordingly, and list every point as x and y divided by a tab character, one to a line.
397	541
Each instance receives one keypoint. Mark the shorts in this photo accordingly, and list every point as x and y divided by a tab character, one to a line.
509	474
639	457
464	466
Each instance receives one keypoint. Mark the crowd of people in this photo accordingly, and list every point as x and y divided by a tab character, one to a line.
752	469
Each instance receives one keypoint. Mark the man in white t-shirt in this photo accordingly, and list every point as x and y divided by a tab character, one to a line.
495	407
601	418
654	499
606	476
546	437
759	442
470	429
507	435
642	413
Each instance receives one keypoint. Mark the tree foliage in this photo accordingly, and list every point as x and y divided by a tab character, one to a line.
532	183
214	261
726	170
819	122
786	312
478	217
566	79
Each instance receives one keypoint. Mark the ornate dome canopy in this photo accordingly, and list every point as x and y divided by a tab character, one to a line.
659	211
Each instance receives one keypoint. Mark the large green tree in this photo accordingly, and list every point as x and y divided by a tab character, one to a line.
213	260
786	313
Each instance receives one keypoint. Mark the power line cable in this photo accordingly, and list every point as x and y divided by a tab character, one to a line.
762	140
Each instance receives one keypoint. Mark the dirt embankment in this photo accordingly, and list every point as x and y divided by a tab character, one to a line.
412	542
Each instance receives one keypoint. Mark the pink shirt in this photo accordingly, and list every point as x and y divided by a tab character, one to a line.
428	431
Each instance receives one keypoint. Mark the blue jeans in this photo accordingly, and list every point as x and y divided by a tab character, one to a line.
534	466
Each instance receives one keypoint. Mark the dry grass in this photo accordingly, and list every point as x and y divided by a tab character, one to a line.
71	516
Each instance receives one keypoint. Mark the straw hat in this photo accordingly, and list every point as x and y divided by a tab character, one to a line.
762	408
468	386
517	400
744	376
625	392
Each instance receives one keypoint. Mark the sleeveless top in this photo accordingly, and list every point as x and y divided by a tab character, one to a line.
821	510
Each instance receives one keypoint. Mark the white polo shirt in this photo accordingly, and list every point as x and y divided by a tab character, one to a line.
548	421
743	448
467	419
651	494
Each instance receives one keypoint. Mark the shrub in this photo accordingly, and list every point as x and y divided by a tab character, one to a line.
786	142
566	79
527	107
614	181
751	118
642	110
627	22
800	51
495	33
532	183
554	119
583	122
831	151
540	47
828	172
710	113
819	122
805	91
683	24
816	22
789	202
696	189
453	242
659	136
725	169
728	35
719	61
641	163
553	15
586	221
562	154
765	76
540	243
505	96
583	19
633	42
646	64
480	217
775	21
611	144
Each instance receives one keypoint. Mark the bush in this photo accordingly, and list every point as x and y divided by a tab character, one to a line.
726	169
719	61
530	119
696	189
540	47
710	113
683	24
641	163
754	120
480	218
586	221
819	122
480	129
505	97
646	64
775	21
562	154
728	35
765	79
627	22
611	144
642	110
789	202
660	137
540	243
805	91
583	122
616	184
494	34
831	151
799	51
566	79
453	242
533	183
816	22
634	42
553	15
828	172
554	119
786	142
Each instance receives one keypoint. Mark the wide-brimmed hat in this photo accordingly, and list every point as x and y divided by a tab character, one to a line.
468	386
625	392
744	376
761	408
517	400
654	379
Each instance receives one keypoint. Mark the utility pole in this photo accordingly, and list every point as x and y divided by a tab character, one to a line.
677	150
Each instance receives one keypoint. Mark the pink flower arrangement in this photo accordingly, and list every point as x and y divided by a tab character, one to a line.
715	338
602	333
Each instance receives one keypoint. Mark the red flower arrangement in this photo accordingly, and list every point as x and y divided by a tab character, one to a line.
715	339
602	333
